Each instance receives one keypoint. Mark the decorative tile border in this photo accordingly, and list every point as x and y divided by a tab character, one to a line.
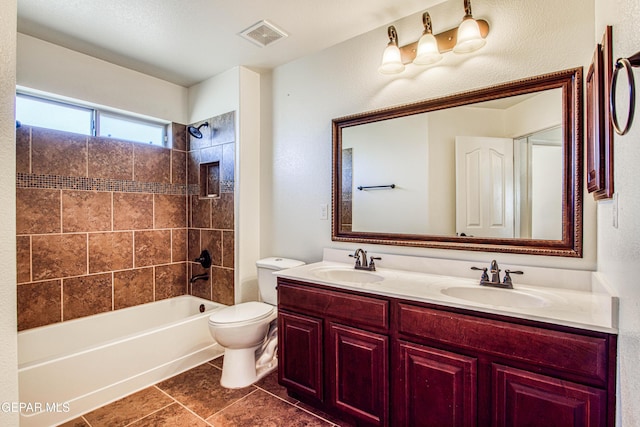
26	180
56	182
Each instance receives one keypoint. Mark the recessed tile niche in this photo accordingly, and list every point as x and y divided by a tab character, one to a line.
210	179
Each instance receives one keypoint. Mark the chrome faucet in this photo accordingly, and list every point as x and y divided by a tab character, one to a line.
361	260
494	281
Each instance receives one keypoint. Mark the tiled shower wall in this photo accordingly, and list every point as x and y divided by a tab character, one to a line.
211	219
104	224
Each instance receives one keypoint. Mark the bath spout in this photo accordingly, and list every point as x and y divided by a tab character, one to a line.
204	276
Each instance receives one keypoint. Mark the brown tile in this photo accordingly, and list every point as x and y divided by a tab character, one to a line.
58	153
263	409
23	255
178	136
110	159
152	247
228	167
179	245
151	163
225	128
193	244
76	422
211	154
222	212
178	167
170	211
37	211
270	384
110	251
223	289
199	390
205	141
86	211
39	304
171	280
132	287
193	167
335	420
173	415
217	362
228	249
86	295
23	149
129	409
58	255
211	240
200	288
200	212
132	211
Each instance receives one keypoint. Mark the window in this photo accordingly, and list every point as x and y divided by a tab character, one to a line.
42	112
130	128
54	115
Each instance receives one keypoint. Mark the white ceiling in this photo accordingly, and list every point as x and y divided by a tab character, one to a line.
188	41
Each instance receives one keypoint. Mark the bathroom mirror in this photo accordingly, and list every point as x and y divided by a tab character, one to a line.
495	169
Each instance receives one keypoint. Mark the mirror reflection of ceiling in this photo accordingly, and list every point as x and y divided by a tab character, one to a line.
186	42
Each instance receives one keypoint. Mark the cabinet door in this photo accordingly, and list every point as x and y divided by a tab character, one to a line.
358	369
300	354
522	398
435	387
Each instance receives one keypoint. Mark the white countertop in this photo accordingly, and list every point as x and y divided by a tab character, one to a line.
575	308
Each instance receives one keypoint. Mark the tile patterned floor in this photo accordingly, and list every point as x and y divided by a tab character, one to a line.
195	398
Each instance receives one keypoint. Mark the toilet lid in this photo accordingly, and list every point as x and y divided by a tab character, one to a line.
242	312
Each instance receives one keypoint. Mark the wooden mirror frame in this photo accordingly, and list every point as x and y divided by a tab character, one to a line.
570	81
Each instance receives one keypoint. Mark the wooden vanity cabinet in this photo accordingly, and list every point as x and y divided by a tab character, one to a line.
334	351
385	361
499	371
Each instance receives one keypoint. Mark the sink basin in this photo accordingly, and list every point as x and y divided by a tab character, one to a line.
344	275
493	296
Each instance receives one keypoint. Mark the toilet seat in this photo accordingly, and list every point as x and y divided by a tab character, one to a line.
240	314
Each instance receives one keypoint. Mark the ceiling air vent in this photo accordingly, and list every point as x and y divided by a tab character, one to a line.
263	33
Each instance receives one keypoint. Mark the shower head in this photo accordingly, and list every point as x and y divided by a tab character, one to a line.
195	131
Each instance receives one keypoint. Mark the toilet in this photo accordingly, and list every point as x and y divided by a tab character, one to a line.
248	331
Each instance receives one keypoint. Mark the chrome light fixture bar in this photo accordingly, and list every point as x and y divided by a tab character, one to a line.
468	37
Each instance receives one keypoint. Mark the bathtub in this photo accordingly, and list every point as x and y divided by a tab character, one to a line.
69	368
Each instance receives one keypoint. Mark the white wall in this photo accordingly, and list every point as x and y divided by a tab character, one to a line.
406	167
8	317
619	248
343	80
53	69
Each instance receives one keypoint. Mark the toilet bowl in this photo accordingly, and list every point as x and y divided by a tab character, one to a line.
246	330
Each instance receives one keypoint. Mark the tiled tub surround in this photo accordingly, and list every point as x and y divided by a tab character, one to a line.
211	220
104	224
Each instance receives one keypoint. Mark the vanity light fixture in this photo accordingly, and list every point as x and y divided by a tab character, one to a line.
391	58
427	52
469	36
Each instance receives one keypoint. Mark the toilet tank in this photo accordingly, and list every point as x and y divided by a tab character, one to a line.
267	281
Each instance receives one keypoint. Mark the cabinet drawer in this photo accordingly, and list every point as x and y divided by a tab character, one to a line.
582	356
360	310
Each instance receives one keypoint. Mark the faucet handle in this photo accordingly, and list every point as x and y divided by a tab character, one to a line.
372	265
485	276
507	277
357	259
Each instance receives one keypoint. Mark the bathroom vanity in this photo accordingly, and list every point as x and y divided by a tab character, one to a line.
352	345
